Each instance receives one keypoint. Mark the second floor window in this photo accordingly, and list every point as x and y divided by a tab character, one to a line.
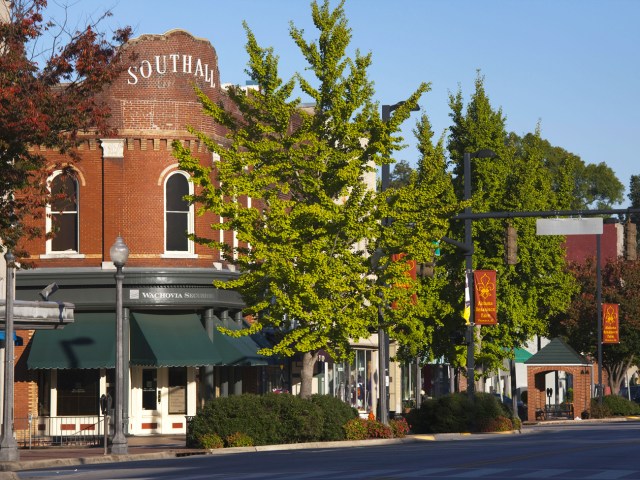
178	214
63	214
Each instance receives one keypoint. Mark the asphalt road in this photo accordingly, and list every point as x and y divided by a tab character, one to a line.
571	451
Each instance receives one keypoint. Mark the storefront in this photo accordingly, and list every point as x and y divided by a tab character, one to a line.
178	359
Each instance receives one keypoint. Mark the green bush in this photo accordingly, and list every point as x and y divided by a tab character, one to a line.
598	410
210	441
399	427
375	429
356	429
457	413
616	405
497	424
336	414
238	439
271	419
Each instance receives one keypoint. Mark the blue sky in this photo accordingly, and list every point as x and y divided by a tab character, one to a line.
571	65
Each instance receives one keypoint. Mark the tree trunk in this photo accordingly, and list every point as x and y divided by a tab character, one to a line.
306	375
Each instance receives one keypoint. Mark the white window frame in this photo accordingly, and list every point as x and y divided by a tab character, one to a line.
50	253
190	252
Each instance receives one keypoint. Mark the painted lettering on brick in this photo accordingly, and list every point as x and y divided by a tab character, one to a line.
169	64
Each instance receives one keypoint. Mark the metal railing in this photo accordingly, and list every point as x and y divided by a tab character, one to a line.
60	431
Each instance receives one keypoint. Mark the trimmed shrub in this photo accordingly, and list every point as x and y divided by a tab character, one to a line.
399	427
598	410
336	414
375	429
356	429
271	419
497	424
619	406
238	439
209	441
457	413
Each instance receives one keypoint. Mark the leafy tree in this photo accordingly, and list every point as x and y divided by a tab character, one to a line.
315	242
593	186
401	174
45	104
620	284
634	196
514	180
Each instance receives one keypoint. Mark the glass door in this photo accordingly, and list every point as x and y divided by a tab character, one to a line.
150	392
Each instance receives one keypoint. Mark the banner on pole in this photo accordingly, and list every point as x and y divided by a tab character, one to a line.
466	314
486	307
610	323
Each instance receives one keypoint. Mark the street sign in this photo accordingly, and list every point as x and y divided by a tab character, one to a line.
569	226
28	315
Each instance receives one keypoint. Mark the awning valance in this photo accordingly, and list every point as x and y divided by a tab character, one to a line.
170	340
88	342
237	351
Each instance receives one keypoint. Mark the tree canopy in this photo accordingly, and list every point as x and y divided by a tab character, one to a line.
516	179
315	242
45	101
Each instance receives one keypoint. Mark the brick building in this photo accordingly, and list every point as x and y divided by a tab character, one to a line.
129	185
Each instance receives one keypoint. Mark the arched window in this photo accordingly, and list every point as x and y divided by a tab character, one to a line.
62	218
178	214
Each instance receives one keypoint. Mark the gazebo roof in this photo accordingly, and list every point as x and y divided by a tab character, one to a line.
557	352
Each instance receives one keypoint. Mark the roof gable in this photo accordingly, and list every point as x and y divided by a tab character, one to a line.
557	352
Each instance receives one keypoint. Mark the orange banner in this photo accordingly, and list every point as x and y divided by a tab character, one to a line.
610	323
411	273
484	290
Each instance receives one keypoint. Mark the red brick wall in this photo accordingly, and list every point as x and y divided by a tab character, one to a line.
126	196
537	396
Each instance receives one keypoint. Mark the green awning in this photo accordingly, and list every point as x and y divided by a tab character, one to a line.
170	340
88	342
237	351
522	355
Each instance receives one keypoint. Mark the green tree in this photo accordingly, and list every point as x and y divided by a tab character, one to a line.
620	284
593	185
537	287
314	245
634	196
400	175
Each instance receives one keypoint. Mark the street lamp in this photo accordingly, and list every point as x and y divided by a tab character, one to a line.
468	257
119	253
383	340
8	445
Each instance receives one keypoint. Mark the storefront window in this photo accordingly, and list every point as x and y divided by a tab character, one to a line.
177	390
78	392
353	382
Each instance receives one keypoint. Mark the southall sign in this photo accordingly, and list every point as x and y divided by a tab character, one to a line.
174	63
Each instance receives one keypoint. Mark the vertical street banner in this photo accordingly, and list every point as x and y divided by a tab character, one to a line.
466	314
610	323
484	289
411	272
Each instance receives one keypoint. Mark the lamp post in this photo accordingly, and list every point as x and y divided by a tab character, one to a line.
119	253
8	445
383	339
468	257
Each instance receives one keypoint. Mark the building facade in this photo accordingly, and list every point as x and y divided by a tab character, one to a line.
129	185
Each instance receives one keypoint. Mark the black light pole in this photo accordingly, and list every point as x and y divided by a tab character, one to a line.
383	339
599	314
468	258
8	445
119	254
